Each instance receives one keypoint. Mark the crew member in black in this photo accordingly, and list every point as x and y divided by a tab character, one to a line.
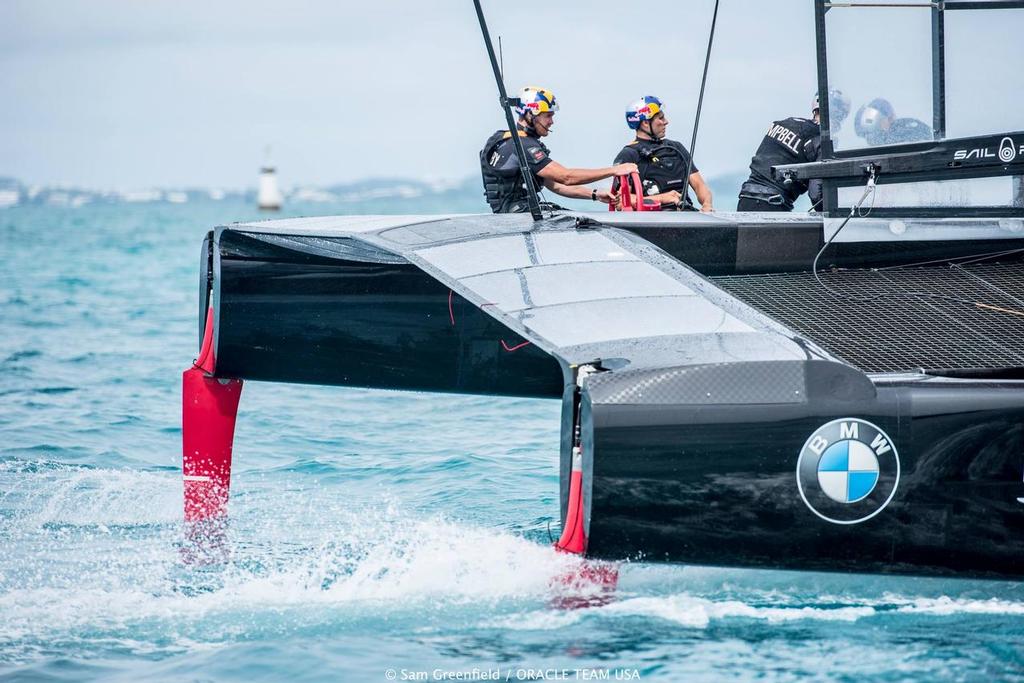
789	141
876	122
504	186
662	162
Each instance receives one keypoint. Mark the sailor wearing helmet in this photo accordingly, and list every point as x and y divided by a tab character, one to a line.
504	185
662	162
876	122
789	141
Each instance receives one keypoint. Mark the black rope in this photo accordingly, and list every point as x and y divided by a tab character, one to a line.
517	144
986	283
855	211
956	260
700	103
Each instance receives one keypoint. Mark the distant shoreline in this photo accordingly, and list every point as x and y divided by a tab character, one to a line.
465	194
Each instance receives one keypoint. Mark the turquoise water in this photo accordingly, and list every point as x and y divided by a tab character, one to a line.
370	531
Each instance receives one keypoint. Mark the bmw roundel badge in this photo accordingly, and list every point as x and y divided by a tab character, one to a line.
848	471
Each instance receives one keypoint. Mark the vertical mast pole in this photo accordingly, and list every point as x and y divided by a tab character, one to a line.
700	101
829	193
524	168
938	72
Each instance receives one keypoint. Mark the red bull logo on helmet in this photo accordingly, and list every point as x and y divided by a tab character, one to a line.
642	110
645	112
536	100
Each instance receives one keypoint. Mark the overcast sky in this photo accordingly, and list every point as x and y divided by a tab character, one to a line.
128	94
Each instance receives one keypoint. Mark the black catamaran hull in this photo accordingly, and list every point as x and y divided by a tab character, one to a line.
702	463
711	477
731	393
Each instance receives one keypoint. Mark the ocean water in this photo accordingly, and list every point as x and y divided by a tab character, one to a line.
373	535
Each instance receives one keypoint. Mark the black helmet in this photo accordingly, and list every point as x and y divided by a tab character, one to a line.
868	123
838	106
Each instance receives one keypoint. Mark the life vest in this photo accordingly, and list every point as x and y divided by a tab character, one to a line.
503	180
788	141
662	165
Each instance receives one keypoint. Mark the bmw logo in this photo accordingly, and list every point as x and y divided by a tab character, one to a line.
848	471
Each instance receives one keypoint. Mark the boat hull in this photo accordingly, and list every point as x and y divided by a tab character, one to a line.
286	316
718	483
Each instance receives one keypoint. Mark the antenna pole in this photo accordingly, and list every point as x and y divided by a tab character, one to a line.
700	100
531	191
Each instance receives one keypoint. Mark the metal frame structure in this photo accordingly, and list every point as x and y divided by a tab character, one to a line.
854	173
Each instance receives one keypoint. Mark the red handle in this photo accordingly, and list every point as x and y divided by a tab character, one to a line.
633	195
630	193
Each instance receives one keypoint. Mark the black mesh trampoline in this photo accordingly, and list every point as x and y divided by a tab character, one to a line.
972	318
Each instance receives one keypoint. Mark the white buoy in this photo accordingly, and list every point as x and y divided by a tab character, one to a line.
268	195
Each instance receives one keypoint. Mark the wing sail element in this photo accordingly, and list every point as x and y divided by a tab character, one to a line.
439	305
583	293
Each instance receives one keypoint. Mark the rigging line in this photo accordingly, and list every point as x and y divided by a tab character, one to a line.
988	284
855	210
865	214
970	258
919	295
916	295
982	257
700	103
926	5
506	105
965	324
869	189
1001	310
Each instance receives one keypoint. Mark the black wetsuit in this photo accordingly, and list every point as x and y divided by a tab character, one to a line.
662	166
499	166
789	141
901	132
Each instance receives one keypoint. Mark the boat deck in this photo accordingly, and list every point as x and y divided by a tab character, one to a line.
943	316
